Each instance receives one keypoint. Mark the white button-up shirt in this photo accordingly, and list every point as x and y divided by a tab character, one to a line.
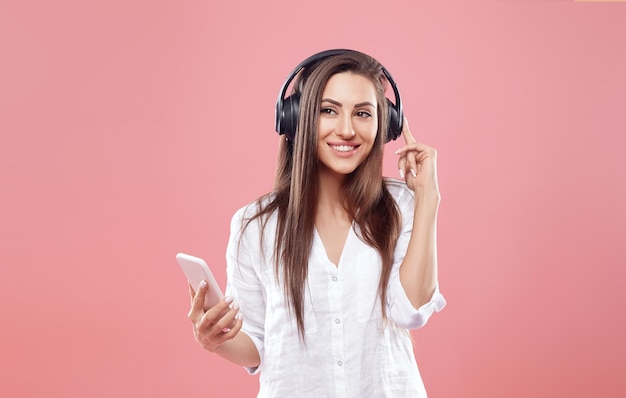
349	350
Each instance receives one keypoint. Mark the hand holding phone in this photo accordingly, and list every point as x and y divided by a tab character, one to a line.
197	270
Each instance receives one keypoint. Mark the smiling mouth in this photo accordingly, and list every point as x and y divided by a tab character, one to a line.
344	148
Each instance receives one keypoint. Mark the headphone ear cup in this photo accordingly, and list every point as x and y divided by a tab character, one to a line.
394	129
290	114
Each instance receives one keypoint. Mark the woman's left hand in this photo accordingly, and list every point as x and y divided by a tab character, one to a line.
417	164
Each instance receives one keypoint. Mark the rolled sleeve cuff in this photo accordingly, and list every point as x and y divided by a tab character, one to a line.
258	343
407	316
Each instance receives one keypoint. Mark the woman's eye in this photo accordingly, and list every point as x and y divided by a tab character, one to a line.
328	111
363	114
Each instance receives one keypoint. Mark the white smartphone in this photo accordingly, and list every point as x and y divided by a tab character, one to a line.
197	270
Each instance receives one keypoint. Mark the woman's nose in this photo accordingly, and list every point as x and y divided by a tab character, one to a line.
345	129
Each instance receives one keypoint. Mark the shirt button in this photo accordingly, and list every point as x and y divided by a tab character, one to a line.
339	363
337	321
334	279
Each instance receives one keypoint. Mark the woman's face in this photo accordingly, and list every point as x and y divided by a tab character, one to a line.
348	123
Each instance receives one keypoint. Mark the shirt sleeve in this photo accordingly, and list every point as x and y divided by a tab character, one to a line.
399	307
243	283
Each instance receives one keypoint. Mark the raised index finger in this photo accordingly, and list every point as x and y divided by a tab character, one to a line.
406	132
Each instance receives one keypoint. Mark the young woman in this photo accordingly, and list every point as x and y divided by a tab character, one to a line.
327	273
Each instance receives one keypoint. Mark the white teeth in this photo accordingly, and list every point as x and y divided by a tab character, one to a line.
343	148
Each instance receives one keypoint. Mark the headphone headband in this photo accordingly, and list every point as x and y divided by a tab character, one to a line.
288	109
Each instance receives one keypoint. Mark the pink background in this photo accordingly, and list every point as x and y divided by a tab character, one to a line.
131	130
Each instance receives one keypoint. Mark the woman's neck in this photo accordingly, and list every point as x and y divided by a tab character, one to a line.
329	199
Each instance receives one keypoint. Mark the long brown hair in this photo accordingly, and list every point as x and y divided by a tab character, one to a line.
363	192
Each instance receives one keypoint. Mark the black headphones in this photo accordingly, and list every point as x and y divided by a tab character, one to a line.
288	109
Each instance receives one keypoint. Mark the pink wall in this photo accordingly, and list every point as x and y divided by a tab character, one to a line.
133	130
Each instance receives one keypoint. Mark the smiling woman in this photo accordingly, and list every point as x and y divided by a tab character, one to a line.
327	272
348	123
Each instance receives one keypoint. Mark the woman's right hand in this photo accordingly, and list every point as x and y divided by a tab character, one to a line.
218	324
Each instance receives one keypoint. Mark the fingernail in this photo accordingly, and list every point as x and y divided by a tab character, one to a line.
239	316
228	299
202	285
235	306
401	174
413	173
398	151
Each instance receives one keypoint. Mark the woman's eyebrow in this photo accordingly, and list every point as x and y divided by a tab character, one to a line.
360	104
332	101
